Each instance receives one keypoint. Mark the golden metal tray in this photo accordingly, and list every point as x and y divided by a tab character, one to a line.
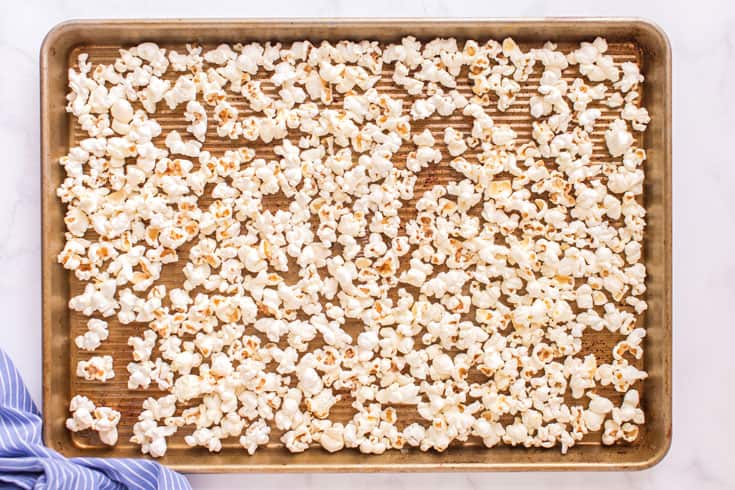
630	39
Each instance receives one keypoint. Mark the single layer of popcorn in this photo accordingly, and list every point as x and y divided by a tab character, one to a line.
466	297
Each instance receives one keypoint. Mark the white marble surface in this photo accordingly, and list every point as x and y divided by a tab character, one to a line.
703	40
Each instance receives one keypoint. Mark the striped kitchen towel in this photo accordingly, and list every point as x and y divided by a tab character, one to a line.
26	463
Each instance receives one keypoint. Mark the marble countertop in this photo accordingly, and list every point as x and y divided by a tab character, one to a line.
703	42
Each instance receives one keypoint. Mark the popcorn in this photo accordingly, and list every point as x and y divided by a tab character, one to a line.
320	404
76	221
629	410
490	432
588	117
106	420
183	362
455	142
421	109
153	93
297	440
154	55
631	77
638	116
85	415
623	181
620	374
184	90
160	408
632	345
97	368
220	55
93	337
187	387
599	407
140	374
142	347
176	144
552	89
417	274
593	64
331	438
209	438
422	158
197	116
150	436
253	93
257	434
500	271
180	299
122	114
81	409
414	434
516	433
442	367
309	380
617	138
425	138
503	135
401	78
183	62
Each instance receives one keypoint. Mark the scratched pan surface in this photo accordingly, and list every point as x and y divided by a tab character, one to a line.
629	40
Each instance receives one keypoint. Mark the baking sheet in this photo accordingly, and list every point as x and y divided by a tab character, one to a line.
629	41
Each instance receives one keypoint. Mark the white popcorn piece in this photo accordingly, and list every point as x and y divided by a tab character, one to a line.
631	77
638	116
257	434
617	138
455	142
184	90
331	438
297	440
97	368
220	55
615	100
76	221
122	114
593	64
632	345
140	374
160	408
85	415
599	407
142	347
206	437
552	89
153	54
629	410
82	409
620	374
106	420
176	144
183	62
417	274
153	93
503	135
197	116
187	387
587	118
421	109
150	436
320	404
93	337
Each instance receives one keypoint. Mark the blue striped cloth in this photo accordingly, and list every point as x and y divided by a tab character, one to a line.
26	463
